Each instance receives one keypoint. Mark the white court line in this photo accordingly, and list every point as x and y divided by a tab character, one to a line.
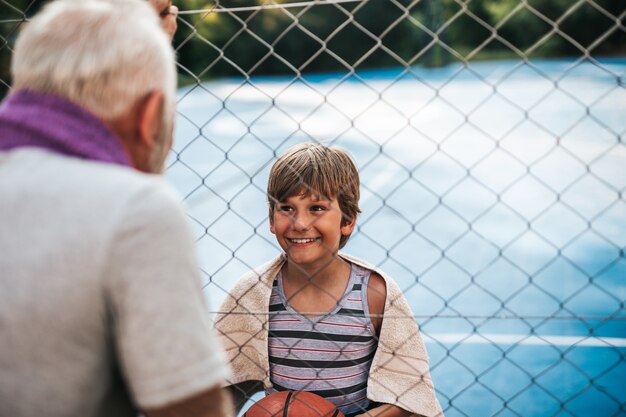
519	339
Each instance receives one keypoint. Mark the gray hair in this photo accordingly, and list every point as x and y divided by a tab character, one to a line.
103	55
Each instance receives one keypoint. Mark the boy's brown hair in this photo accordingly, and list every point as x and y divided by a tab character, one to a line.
312	168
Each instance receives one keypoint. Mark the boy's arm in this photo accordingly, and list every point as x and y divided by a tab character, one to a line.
376	296
388	410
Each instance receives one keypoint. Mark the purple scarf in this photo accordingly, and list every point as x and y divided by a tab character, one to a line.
30	119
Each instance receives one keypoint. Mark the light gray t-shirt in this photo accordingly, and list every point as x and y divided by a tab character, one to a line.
100	298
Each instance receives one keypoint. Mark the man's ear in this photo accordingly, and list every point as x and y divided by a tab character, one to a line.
150	118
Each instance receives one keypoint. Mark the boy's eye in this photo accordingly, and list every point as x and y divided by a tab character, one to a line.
284	208
318	208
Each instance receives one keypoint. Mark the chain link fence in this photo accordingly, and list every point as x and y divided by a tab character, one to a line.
489	138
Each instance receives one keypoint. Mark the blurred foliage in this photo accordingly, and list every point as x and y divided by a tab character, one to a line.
368	34
383	33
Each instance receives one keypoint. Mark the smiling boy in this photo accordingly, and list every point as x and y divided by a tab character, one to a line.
317	320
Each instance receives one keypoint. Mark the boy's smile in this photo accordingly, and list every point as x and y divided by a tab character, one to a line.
302	241
309	228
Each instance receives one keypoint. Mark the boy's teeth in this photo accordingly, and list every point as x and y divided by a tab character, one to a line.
302	240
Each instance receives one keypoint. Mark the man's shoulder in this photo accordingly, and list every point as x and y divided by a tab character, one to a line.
95	197
124	179
90	180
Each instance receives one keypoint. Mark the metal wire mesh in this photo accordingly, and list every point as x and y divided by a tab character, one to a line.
489	137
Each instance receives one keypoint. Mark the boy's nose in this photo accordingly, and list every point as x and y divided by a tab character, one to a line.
302	222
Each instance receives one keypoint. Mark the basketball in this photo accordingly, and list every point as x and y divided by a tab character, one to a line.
293	404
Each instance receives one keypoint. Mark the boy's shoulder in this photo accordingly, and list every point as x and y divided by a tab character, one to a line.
260	279
357	261
394	294
366	265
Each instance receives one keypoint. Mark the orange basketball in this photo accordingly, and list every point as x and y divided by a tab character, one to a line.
293	404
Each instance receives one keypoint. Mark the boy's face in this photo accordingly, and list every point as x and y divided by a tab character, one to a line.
308	228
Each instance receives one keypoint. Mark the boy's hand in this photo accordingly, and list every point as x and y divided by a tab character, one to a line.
167	12
388	410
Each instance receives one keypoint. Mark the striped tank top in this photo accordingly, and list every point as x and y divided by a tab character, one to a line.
328	355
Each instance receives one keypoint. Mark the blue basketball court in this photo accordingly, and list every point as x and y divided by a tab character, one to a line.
493	193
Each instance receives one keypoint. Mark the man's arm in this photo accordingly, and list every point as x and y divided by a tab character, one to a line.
215	402
161	329
242	392
167	12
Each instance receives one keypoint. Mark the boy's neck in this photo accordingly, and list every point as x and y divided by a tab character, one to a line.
325	275
315	291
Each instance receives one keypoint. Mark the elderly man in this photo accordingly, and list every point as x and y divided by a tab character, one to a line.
101	310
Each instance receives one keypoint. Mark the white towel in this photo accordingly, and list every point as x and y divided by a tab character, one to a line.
399	374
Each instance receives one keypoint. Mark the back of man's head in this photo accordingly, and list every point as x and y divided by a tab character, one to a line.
103	55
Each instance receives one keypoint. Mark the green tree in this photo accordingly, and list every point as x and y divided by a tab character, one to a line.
368	34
